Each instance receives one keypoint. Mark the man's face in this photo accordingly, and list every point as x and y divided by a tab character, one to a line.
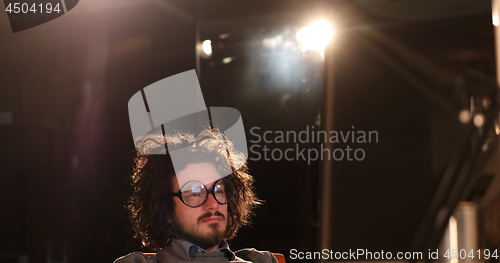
205	225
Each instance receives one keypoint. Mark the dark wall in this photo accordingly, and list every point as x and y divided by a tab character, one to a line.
67	153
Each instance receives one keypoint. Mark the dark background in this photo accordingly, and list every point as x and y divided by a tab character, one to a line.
66	154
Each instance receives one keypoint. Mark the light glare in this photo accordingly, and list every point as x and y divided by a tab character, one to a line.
227	60
453	226
316	36
207	47
479	120
494	13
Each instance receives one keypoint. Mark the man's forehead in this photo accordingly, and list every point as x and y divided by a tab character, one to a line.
204	172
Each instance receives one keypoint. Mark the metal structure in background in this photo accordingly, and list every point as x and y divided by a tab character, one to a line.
462	233
327	123
197	48
475	90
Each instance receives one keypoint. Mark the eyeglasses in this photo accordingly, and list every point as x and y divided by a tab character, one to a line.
194	193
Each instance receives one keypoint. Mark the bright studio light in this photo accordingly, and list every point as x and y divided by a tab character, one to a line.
316	36
207	47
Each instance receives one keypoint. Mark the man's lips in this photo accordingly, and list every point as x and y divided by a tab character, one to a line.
212	219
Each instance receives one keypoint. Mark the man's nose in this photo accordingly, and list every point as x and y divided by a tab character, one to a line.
211	203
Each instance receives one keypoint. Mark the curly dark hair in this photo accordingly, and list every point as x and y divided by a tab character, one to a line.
152	208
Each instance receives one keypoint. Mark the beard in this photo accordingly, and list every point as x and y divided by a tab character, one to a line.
210	239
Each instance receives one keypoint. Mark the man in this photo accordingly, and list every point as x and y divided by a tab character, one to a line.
188	216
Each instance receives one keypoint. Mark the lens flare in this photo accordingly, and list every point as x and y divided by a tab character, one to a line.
207	47
316	36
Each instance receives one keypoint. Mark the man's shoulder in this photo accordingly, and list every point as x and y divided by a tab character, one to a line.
256	256
243	255
135	257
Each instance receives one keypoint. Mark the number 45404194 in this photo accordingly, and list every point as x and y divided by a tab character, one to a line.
25	8
463	254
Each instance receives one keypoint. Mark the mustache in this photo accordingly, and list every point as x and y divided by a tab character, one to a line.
210	214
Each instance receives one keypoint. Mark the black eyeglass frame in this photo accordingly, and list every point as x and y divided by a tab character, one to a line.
209	191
